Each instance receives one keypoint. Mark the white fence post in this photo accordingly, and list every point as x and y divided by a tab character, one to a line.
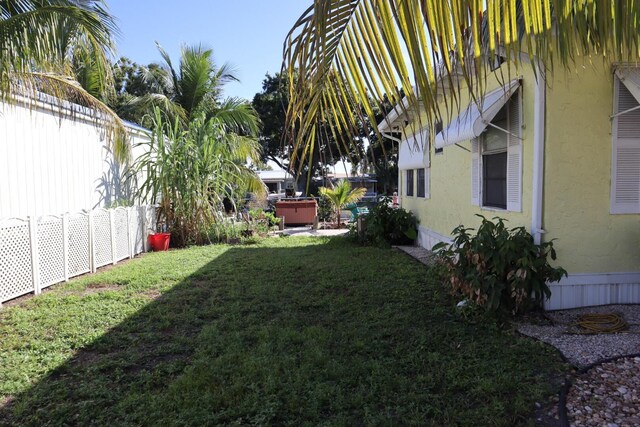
113	236
35	263
92	248
65	245
145	240
130	235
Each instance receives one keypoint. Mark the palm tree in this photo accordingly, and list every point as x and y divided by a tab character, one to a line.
46	44
341	195
346	51
195	88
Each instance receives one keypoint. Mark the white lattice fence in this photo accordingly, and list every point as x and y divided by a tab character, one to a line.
137	227
78	244
122	234
39	252
51	256
102	244
16	276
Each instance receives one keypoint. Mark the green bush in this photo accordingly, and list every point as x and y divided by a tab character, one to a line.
500	269
385	225
326	213
260	214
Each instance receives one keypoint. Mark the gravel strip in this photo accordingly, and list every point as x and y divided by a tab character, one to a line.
606	395
585	350
608	392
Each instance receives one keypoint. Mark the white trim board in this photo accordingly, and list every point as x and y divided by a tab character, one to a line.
427	238
583	290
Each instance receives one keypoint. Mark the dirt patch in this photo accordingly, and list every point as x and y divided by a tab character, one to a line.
101	287
6	401
152	294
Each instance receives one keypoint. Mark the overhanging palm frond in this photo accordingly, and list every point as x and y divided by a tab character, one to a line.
347	52
39	41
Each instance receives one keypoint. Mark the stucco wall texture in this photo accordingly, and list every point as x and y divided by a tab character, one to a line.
577	175
578	168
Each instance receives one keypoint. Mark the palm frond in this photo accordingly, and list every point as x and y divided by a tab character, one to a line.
351	54
238	116
46	45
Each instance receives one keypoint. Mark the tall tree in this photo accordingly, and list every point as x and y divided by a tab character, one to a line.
271	105
347	52
134	82
45	46
195	87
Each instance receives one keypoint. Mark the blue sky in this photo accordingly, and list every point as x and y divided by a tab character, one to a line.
247	33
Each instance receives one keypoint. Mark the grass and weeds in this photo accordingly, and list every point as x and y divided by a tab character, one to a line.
285	332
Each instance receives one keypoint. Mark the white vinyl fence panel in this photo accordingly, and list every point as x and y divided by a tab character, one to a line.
38	252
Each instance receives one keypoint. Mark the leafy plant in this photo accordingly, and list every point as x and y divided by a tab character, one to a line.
385	225
498	268
325	209
225	231
190	172
341	195
260	214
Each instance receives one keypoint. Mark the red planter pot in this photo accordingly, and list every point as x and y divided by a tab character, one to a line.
159	241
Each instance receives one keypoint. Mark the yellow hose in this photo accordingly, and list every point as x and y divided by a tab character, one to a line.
606	323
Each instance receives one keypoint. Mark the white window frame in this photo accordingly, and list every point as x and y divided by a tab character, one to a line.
406	183
514	160
425	184
424	163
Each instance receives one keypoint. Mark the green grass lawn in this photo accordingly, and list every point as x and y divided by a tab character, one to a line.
291	331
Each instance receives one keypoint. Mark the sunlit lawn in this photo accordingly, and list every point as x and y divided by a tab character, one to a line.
291	331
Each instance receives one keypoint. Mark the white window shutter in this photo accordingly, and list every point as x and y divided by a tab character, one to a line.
475	172
625	182
514	156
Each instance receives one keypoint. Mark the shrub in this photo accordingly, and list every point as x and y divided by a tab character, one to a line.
501	269
262	215
325	210
385	225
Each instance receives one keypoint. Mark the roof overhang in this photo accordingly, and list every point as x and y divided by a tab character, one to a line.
471	122
630	77
399	117
404	113
412	151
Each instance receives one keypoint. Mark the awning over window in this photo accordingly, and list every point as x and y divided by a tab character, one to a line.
630	77
413	152
475	118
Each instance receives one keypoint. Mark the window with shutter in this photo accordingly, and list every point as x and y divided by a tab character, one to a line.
625	180
514	154
496	160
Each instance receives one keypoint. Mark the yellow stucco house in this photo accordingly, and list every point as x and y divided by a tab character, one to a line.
559	156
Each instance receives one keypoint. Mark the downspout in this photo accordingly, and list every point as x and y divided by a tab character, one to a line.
538	154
